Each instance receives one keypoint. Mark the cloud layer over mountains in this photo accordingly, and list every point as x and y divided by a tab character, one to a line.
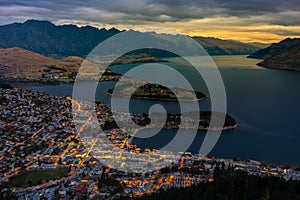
278	17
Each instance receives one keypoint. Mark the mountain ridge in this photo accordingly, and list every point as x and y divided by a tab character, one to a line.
275	48
284	55
216	46
45	38
288	59
48	39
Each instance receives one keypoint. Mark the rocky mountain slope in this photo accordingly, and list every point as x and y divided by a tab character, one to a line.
287	59
275	48
48	39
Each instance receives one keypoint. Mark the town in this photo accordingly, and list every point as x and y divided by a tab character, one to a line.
46	153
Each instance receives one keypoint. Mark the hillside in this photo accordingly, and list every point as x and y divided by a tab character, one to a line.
19	63
275	48
215	46
258	45
48	39
287	60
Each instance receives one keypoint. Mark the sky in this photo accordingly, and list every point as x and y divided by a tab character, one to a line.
244	20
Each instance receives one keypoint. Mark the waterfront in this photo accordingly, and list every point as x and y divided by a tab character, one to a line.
264	102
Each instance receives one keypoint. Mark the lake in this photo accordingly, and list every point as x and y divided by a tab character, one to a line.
265	103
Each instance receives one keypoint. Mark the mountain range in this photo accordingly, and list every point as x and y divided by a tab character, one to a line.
46	38
283	55
216	46
32	40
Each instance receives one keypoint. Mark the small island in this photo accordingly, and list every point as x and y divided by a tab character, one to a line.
173	121
156	92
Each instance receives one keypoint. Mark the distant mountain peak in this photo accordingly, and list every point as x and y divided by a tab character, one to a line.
113	29
37	22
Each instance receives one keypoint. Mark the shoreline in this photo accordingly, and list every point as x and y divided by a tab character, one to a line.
279	69
225	128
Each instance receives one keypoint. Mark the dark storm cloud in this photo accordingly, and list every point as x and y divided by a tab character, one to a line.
247	7
140	11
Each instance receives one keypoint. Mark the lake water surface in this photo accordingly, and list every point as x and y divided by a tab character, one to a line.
264	102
